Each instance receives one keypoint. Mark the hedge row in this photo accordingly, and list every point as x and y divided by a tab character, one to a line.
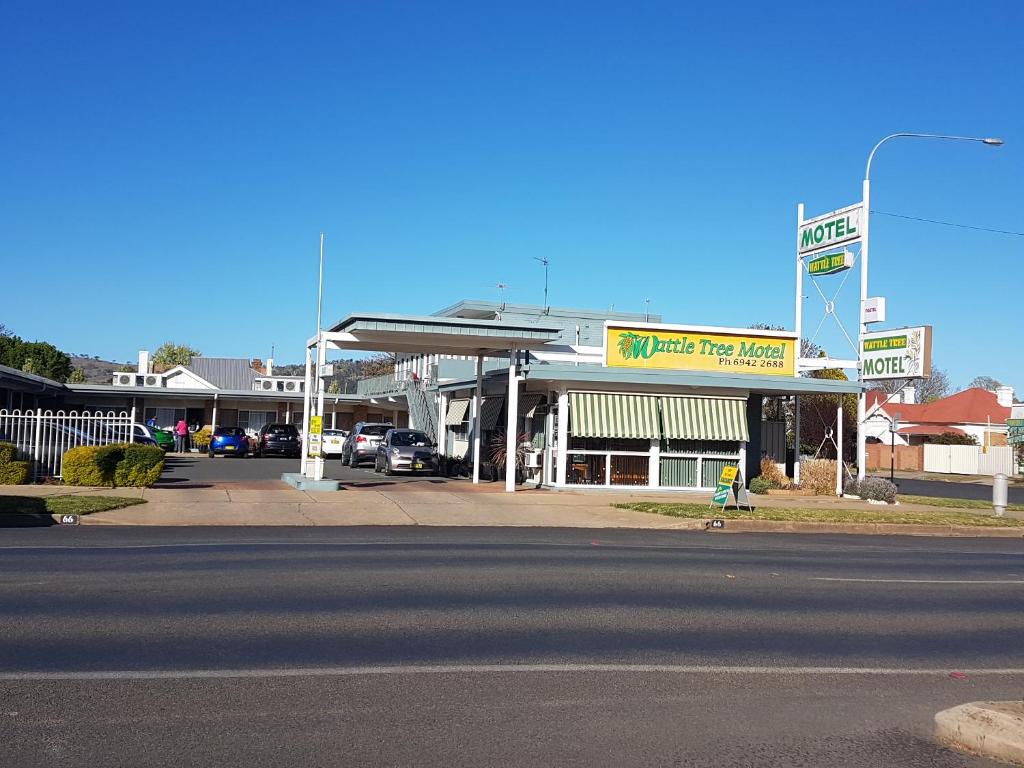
12	472
113	465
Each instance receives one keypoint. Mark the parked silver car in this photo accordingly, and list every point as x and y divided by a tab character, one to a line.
361	444
406	450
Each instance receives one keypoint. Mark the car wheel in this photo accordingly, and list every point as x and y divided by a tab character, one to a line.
211	454
387	468
352	460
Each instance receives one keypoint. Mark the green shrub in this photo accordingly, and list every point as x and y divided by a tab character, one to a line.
201	439
878	489
89	465
760	485
140	466
14	472
8	453
118	464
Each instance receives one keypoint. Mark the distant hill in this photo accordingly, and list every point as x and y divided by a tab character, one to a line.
97	371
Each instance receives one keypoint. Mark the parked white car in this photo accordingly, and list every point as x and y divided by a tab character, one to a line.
332	441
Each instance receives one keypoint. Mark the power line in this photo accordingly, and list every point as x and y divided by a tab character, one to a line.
951	224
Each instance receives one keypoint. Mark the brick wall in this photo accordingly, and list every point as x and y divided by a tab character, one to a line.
908	457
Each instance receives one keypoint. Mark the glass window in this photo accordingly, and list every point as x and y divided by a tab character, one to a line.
375	430
629	470
410	439
585	469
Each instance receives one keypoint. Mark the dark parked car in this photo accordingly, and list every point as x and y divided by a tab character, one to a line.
406	450
229	441
282	439
361	443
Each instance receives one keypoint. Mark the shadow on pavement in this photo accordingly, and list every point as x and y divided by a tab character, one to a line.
24	512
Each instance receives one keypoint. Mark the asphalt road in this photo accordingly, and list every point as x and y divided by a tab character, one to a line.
196	471
503	647
953	490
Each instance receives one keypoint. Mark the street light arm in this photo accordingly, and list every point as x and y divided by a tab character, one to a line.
984	140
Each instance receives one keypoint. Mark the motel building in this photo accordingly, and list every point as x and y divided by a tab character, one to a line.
592	399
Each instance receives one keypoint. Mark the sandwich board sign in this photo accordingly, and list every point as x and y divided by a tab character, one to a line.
731	479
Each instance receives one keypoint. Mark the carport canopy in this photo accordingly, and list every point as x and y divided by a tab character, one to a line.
434	335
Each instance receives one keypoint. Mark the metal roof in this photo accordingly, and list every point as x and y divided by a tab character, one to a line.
224	372
436	335
470	308
171	393
20	381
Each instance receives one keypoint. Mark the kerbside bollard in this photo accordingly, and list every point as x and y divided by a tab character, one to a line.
999	494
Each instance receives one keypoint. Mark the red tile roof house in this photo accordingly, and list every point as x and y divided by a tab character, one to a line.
973	412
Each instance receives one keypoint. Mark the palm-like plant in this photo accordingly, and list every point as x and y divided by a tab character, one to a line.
499	453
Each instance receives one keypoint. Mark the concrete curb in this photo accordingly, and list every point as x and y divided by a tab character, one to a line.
882	529
993	729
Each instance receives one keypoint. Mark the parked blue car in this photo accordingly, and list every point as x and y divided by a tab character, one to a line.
229	441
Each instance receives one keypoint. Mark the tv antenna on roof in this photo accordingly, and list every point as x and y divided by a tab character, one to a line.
647	310
545	261
502	287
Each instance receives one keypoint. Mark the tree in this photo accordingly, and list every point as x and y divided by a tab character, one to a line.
953	438
985	382
29	366
380	364
807	347
935	387
818	416
77	376
170	354
334	388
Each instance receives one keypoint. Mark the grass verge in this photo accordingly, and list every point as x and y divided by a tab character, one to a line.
818	515
955	503
63	505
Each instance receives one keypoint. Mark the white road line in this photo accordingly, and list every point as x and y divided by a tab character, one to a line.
501	669
922	581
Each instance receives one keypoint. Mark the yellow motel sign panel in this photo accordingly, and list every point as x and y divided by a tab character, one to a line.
719	350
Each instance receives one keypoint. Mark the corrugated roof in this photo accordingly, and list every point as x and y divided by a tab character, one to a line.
224	372
972	406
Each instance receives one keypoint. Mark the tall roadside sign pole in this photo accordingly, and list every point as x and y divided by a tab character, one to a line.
861	398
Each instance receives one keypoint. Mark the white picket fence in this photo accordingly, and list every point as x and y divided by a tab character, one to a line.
968	459
43	437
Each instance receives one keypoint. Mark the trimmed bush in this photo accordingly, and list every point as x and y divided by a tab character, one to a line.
760	485
119	464
877	489
819	476
772	475
8	453
14	472
201	439
851	487
140	466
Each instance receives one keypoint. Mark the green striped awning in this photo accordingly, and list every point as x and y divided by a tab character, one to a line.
490	412
456	412
705	418
606	415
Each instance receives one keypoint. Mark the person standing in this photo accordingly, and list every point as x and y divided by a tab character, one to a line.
180	436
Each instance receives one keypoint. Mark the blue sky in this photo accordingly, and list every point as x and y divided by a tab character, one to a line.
166	169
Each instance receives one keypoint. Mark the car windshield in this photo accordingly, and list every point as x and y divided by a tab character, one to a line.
375	430
333	433
416	439
282	429
225	431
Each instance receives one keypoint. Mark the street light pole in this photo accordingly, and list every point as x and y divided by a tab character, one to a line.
865	229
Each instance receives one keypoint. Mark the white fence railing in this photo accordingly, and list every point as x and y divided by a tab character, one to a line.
968	459
43	437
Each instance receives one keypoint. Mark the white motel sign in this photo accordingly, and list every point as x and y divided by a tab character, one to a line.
830	230
902	353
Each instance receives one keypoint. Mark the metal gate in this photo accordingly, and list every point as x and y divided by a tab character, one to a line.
43	437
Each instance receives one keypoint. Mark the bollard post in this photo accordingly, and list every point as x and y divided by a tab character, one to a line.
999	494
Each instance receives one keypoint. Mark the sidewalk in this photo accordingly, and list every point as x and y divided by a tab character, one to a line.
273	503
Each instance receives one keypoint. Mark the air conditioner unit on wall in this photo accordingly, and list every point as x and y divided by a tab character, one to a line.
153	381
290	386
268	384
125	379
533	459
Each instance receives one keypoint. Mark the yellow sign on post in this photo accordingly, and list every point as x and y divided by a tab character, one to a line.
696	349
316	428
